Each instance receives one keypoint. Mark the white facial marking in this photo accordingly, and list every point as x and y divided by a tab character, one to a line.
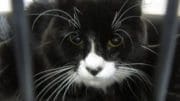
107	71
105	77
94	61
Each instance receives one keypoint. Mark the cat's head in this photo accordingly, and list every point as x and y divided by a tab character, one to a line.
95	43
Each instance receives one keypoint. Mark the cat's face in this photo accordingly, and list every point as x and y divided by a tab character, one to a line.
95	41
93	44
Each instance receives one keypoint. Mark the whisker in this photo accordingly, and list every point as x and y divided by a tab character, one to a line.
144	79
153	46
127	34
55	83
49	76
45	77
139	75
131	90
61	85
118	13
76	18
51	84
50	70
142	17
130	8
68	84
44	72
54	15
55	10
131	64
67	34
59	89
150	50
115	18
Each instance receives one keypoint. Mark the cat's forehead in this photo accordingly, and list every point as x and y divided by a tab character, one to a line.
99	5
98	16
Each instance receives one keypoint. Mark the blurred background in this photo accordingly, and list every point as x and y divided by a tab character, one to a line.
154	7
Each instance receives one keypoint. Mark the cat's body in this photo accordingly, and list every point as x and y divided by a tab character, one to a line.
95	46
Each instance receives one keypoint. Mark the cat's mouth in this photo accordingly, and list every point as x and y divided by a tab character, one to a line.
102	78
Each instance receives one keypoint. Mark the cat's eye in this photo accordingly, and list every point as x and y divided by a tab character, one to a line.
75	39
116	41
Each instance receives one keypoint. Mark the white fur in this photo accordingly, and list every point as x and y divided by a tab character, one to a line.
93	61
107	76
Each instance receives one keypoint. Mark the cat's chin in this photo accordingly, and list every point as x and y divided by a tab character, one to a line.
97	83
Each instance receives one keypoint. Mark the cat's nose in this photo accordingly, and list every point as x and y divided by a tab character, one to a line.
94	71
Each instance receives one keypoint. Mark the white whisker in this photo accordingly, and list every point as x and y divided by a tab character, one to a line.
45	72
144	18
62	84
50	70
45	78
115	17
139	74
55	10
76	18
127	34
60	88
67	34
118	20
54	15
150	50
131	64
68	84
118	13
131	90
49	76
144	79
51	84
153	46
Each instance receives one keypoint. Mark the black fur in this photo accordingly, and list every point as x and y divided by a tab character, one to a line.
95	18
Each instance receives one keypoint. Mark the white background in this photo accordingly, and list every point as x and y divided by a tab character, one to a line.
149	6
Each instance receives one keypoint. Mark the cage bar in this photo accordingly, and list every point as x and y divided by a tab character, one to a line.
22	49
167	51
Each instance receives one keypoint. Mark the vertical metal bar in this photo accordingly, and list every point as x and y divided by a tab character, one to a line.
167	50
22	49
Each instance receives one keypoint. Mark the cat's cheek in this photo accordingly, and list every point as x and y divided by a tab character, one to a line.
107	71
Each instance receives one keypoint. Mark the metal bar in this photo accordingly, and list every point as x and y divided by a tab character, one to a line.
167	50
22	49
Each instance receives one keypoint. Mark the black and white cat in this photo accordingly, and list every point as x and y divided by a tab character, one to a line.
85	50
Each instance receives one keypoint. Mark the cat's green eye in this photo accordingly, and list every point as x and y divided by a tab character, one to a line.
116	41
75	39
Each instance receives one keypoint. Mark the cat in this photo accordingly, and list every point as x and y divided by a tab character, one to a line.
84	50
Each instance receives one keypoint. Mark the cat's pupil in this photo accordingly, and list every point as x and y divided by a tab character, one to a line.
116	40
75	39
